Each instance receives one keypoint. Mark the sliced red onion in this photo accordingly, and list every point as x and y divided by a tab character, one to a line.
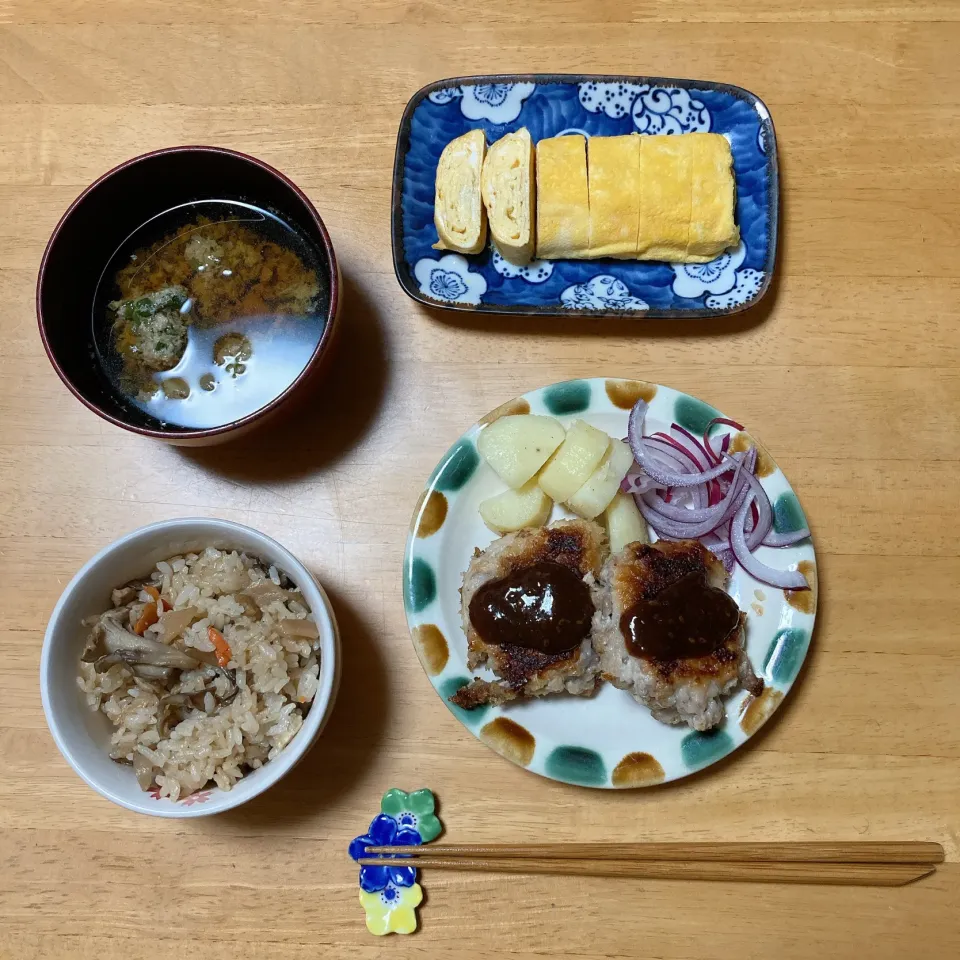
637	483
660	435
774	539
644	447
725	505
706	436
688	497
673	479
724	420
761	511
693	445
666	448
669	458
680	445
785	579
719	545
734	506
726	557
721	513
714	492
674	528
668	453
669	510
635	421
697	495
715	514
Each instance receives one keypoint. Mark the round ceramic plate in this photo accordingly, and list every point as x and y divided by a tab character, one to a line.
607	740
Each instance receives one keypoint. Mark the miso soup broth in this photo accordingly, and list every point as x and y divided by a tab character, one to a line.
209	311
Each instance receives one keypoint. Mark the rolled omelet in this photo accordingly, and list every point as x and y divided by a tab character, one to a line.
665	198
669	198
712	197
687	198
563	205
458	210
508	188
613	175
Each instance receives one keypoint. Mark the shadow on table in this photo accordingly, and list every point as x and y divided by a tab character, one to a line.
338	413
346	747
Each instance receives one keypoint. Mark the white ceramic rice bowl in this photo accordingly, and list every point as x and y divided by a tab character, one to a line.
82	735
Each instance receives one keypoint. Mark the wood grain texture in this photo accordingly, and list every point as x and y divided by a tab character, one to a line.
849	373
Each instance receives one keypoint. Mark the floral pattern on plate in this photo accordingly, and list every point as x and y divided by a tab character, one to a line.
726	285
549	106
657	110
496	102
201	796
748	282
602	292
653	109
693	280
449	279
538	271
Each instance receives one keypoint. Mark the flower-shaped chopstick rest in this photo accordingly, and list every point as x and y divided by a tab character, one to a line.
390	895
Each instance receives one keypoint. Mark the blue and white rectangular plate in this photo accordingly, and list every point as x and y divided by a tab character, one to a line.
549	105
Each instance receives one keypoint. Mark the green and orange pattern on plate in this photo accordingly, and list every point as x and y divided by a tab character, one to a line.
607	740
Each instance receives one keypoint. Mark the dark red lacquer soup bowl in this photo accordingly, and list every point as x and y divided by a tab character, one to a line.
91	235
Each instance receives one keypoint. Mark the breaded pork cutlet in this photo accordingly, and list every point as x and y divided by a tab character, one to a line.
667	632
538	587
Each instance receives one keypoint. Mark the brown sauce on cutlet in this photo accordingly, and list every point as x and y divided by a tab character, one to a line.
545	607
687	618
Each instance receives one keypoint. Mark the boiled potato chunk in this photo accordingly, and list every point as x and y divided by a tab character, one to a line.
515	509
595	495
577	458
518	446
625	523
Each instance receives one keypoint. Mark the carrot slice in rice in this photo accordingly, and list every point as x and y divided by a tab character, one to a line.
147	619
220	645
155	593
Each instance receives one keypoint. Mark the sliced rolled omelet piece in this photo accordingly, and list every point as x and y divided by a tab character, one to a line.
507	185
563	205
712	198
458	211
666	173
613	165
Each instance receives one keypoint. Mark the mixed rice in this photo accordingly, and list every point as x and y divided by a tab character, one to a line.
206	669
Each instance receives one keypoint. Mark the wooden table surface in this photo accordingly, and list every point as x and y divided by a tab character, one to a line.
848	371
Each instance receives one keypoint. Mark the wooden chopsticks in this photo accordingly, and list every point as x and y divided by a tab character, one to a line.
881	851
868	863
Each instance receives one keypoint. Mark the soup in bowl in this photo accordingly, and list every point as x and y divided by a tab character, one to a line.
189	295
